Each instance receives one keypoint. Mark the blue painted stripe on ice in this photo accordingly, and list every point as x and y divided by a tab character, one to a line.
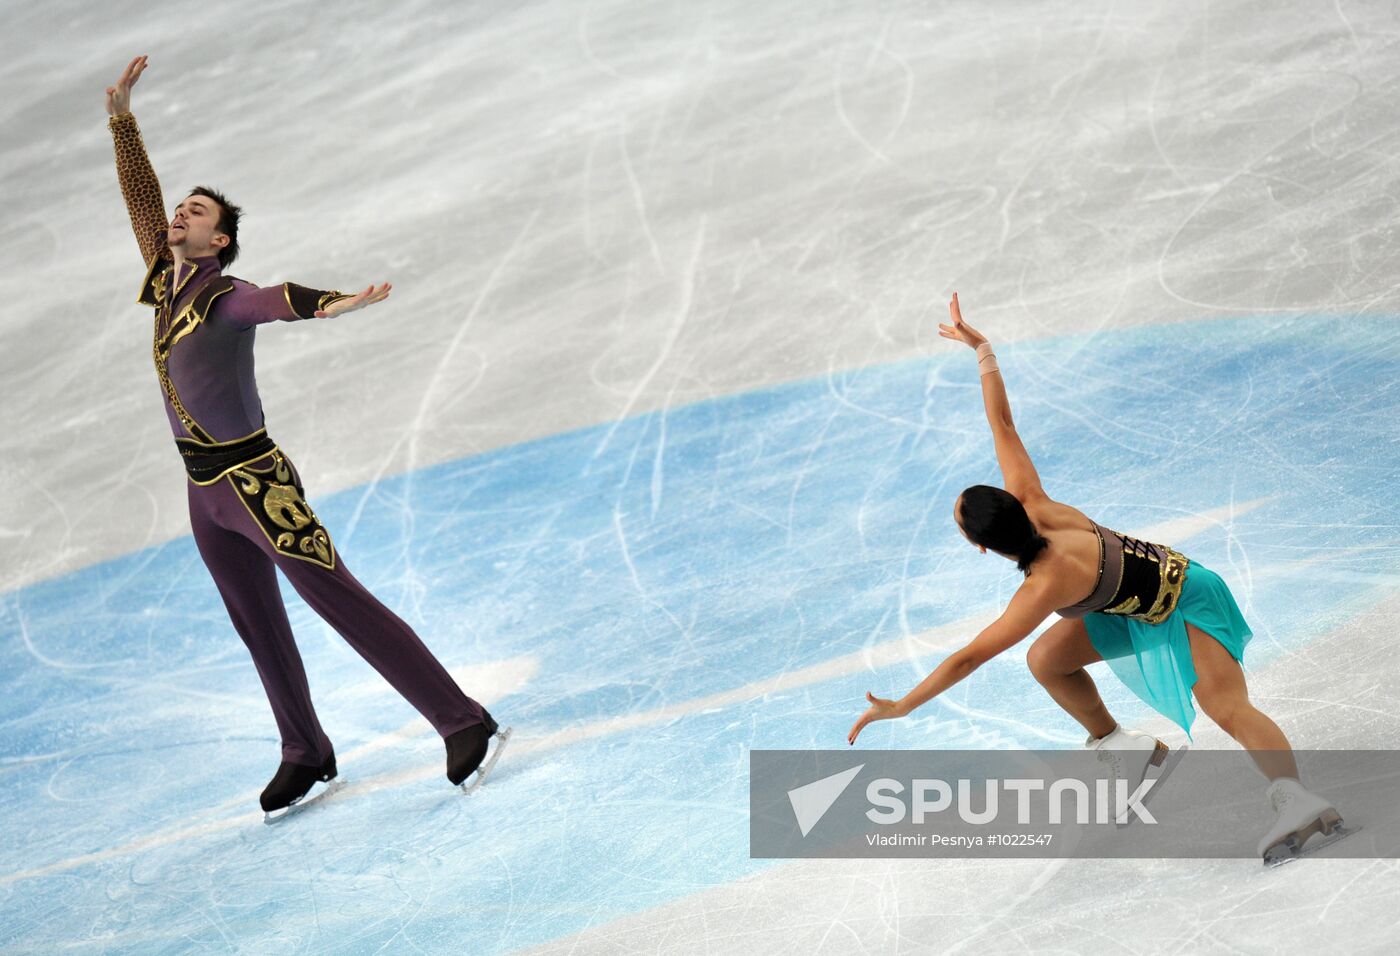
655	561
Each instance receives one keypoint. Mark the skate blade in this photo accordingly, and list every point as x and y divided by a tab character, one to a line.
478	777
1159	767
1323	832
313	797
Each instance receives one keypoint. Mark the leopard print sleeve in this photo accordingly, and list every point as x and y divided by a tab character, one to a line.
140	188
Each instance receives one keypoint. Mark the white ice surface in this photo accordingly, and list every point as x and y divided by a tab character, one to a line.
592	211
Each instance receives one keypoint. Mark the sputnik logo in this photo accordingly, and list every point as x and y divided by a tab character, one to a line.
811	801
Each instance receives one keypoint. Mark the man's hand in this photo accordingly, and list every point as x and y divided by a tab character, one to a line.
880	709
960	331
367	297
119	96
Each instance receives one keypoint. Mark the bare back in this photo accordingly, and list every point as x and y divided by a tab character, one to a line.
1069	568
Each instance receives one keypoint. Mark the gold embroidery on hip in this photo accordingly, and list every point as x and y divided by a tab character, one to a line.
1169	592
286	509
275	502
1127	607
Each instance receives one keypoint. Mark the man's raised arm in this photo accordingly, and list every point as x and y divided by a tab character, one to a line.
140	188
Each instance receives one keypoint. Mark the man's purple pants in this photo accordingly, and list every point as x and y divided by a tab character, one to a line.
239	550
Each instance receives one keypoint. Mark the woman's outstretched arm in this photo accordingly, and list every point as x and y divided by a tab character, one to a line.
1018	474
1032	604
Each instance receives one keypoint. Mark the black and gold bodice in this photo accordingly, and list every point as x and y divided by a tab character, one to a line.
1137	579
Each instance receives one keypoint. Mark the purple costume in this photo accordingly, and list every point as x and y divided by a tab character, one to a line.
247	506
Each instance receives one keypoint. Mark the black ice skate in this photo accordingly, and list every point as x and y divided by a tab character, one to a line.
293	781
467	753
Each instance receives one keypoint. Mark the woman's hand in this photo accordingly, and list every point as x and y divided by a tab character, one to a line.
960	331
880	709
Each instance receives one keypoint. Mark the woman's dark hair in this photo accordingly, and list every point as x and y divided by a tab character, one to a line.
994	519
229	214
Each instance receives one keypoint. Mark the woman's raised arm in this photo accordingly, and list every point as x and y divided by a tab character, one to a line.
1018	473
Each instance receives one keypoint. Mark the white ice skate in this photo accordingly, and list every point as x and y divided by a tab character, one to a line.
1306	823
1138	759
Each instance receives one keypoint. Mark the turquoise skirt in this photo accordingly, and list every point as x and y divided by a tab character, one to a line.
1154	660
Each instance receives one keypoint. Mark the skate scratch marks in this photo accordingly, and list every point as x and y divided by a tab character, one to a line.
1011	912
1053	130
683	631
658	461
501	677
1190	944
638	198
880	48
1177	529
893	651
802	472
426	407
682	313
1363	872
39	655
505	677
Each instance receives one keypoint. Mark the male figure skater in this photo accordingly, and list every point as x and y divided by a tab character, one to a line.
246	502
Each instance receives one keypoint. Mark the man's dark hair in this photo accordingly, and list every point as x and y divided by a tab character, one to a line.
229	214
996	519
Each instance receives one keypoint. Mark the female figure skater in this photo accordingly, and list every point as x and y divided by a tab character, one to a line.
1167	625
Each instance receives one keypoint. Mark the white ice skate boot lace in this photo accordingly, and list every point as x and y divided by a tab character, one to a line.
1295	807
1112	750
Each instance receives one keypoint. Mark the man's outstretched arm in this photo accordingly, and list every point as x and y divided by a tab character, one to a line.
249	305
140	188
